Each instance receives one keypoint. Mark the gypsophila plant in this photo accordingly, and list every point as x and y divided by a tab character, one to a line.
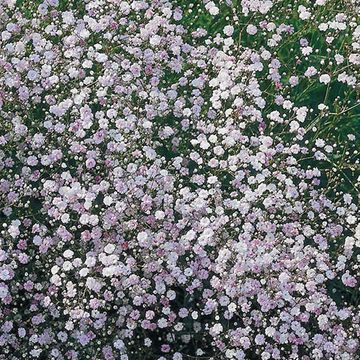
179	180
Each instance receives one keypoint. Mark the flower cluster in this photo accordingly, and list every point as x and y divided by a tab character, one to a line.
171	191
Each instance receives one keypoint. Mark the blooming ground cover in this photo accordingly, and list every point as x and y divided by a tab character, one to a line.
179	179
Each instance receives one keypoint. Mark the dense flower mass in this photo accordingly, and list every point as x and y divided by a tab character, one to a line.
179	180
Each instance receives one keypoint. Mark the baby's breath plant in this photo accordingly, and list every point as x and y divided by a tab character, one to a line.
179	179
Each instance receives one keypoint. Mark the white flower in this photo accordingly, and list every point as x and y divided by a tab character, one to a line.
109	248
251	29
351	219
216	329
68	254
304	13
325	79
212	8
159	215
228	30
